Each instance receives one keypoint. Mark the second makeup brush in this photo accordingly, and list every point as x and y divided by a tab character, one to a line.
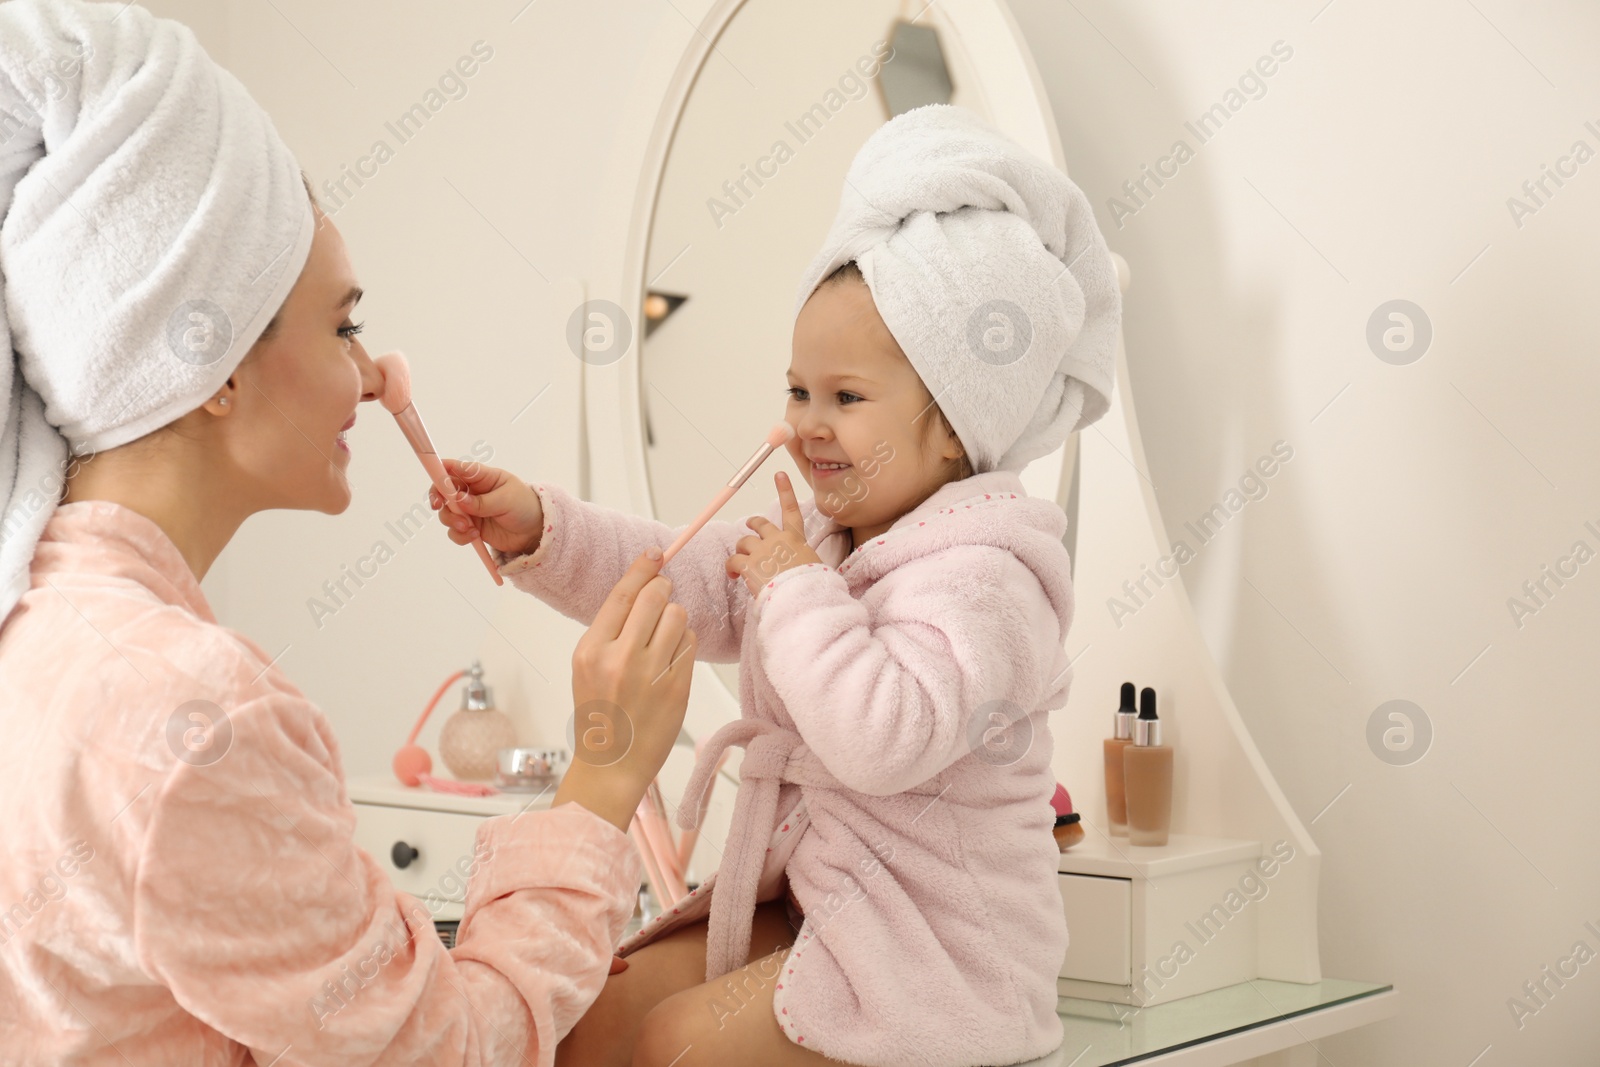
779	436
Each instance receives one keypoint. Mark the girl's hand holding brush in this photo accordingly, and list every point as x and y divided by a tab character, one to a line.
499	507
772	549
396	399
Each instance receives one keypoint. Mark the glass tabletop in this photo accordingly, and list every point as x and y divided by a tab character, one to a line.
1100	1034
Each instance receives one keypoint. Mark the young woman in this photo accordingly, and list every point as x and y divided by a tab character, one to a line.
179	881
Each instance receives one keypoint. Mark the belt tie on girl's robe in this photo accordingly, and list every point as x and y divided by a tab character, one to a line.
773	755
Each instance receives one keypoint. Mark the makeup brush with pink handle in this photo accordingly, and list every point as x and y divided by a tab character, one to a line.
779	436
397	400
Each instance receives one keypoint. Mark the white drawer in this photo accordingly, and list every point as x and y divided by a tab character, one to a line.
443	840
1099	928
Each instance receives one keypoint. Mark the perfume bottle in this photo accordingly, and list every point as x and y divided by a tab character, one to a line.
472	738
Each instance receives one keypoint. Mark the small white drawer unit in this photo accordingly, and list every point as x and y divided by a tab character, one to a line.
424	840
1149	924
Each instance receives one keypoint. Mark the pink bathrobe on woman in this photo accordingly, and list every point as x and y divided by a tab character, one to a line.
875	689
165	910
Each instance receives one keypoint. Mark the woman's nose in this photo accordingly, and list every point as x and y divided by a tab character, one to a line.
371	376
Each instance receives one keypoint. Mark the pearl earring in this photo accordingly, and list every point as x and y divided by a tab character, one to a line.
222	400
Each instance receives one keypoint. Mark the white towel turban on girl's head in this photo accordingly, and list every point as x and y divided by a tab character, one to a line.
988	268
151	224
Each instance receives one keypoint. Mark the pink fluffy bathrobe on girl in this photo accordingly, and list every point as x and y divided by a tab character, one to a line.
895	698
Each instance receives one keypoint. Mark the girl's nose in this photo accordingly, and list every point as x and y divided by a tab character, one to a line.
810	426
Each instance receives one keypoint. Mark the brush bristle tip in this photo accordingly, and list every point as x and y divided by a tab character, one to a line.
396	381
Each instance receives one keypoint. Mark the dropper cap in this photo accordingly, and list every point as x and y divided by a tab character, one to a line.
1147	728
1125	714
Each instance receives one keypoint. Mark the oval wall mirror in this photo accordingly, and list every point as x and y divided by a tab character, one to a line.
738	182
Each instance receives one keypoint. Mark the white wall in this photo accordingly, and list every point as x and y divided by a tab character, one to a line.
1379	564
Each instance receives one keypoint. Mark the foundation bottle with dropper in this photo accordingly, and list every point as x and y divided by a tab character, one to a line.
1121	738
1147	777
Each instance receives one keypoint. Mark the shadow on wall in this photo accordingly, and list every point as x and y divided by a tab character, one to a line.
1307	215
1195	341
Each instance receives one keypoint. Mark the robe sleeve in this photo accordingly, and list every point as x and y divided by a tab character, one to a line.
256	909
586	548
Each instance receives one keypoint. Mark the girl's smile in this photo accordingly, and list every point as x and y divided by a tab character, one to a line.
827	470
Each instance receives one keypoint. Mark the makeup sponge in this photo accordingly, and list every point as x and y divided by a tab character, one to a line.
1069	826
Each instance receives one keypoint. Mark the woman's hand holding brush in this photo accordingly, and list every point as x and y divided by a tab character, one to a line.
495	505
631	672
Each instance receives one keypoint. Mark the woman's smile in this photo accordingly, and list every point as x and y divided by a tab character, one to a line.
339	439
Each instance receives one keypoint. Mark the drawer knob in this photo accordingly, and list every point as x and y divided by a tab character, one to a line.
402	854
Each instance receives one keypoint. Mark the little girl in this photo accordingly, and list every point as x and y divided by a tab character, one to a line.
900	634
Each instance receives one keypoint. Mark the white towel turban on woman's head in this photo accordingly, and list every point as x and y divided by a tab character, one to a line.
151	224
986	265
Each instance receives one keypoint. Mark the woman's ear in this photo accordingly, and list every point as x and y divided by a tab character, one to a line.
224	400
